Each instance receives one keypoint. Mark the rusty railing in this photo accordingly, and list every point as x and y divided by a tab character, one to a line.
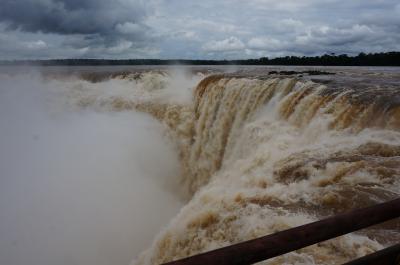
277	244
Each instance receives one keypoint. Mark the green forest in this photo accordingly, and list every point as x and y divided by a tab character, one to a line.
362	59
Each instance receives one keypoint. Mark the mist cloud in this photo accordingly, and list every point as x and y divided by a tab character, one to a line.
78	187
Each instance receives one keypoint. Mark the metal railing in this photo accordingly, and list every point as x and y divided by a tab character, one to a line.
387	256
277	244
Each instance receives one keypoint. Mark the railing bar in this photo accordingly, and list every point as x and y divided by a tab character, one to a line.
387	256
270	246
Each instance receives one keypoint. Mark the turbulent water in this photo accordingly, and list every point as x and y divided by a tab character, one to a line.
262	152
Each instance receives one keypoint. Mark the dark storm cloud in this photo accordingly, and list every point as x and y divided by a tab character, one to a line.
84	28
70	16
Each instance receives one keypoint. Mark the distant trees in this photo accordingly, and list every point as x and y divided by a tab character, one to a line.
362	59
371	59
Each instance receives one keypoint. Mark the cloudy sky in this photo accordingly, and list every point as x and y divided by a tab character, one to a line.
206	29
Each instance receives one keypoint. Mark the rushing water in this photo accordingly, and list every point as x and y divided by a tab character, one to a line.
259	151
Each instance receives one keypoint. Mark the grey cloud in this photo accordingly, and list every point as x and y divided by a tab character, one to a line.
89	25
229	44
264	43
70	16
336	36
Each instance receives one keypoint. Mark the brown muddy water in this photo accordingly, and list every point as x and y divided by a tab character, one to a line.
193	158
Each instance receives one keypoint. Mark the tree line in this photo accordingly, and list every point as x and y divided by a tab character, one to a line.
362	59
